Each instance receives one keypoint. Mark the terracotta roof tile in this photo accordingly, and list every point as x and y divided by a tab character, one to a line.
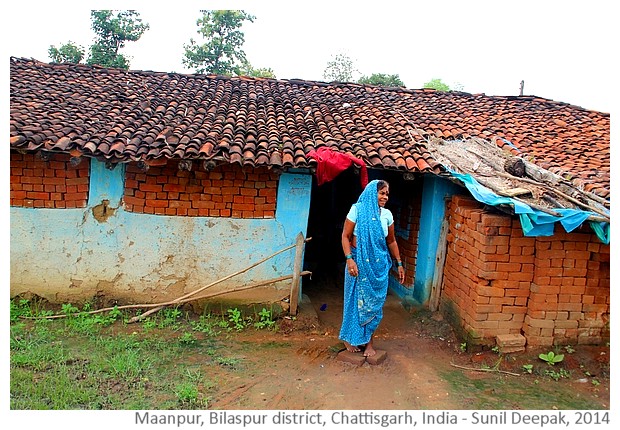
122	116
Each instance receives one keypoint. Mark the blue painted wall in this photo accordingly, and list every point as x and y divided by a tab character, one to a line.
434	193
69	255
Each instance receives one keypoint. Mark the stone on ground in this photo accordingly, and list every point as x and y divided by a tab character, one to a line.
356	358
378	358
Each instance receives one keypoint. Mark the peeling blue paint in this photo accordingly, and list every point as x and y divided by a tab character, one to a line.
50	248
106	184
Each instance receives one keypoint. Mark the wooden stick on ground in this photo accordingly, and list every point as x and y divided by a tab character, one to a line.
152	305
485	370
147	313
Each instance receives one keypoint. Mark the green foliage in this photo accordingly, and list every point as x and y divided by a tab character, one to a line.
339	69
69	310
187	338
235	317
265	320
26	308
34	348
53	366
227	361
437	84
127	364
67	53
149	324
85	322
166	318
205	324
187	394
248	70
382	79
551	357
113	30
221	54
528	367
556	375
170	318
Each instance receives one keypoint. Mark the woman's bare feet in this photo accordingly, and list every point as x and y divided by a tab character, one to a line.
369	351
351	348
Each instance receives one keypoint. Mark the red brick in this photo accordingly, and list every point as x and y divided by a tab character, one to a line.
150	188
156	203
175	204
37	195
173	187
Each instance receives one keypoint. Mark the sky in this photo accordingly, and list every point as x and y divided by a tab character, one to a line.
561	50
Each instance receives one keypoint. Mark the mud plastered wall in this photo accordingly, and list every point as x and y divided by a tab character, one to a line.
104	250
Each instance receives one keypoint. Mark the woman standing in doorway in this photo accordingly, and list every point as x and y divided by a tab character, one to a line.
368	240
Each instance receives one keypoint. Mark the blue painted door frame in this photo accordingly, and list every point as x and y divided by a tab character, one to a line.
435	191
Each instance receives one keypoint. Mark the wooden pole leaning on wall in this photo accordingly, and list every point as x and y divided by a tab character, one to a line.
173	302
180	299
189	297
440	262
294	297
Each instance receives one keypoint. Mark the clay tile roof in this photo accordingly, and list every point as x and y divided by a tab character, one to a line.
122	116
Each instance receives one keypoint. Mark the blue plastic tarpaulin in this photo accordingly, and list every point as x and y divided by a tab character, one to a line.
535	222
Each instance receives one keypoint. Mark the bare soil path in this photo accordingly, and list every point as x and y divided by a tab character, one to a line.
296	367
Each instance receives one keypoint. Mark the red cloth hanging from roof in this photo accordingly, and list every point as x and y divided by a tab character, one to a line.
330	164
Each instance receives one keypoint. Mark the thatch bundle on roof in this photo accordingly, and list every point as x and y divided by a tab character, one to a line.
515	177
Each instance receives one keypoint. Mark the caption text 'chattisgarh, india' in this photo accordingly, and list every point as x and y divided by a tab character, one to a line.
407	419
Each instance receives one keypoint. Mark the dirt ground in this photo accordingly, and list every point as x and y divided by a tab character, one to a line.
297	367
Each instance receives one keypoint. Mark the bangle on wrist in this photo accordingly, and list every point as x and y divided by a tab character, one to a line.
348	256
399	263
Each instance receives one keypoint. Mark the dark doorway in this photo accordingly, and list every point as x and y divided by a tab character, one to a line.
329	205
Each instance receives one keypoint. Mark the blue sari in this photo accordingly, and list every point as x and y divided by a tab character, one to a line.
364	294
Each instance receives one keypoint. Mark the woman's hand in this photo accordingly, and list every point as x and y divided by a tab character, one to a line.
401	274
352	267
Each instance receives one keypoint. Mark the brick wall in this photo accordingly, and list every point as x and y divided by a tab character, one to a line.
553	290
407	235
226	191
36	183
569	301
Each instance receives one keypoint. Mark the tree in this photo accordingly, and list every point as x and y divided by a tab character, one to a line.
382	80
339	69
222	53
437	84
248	70
67	53
113	31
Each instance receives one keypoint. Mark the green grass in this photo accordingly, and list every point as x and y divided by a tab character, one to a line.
496	391
172	361
98	361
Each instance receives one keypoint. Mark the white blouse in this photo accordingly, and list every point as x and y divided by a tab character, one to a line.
385	216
